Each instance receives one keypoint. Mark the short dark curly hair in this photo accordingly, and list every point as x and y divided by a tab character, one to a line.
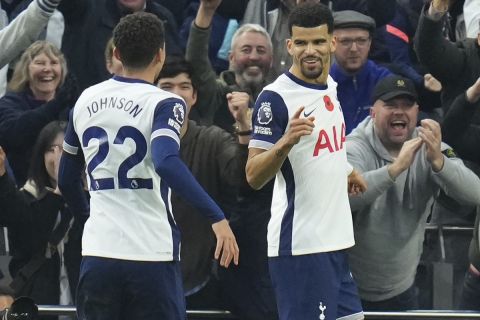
175	65
310	15
138	37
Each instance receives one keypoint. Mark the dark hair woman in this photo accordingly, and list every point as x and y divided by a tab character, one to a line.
44	237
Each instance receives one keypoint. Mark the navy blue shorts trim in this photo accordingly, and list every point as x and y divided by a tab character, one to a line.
315	286
111	289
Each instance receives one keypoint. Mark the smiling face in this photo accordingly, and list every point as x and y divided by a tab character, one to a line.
45	74
394	121
311	49
251	58
181	85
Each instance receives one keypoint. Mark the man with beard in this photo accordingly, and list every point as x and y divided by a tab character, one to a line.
250	59
298	138
405	167
273	15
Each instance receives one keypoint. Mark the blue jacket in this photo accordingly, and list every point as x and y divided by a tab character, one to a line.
354	92
22	117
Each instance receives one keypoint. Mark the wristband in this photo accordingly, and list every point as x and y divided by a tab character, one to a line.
243	133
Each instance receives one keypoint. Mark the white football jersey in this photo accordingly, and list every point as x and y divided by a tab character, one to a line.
130	209
310	208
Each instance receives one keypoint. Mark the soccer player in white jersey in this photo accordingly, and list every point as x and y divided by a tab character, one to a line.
128	132
299	137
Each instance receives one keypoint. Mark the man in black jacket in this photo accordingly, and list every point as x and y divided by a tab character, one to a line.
459	132
217	160
89	25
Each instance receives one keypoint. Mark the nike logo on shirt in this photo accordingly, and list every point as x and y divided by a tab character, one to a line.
306	114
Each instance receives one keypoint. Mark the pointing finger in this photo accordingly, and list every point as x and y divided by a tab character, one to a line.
297	113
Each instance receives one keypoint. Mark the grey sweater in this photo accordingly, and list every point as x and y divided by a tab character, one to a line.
390	217
25	28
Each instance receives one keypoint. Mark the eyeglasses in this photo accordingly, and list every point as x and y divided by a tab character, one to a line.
360	42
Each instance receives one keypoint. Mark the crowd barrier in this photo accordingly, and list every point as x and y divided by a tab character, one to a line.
221	314
226	315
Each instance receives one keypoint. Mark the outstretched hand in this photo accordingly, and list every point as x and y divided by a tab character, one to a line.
227	248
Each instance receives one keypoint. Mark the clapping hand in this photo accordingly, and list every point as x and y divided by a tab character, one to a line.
405	157
431	135
356	183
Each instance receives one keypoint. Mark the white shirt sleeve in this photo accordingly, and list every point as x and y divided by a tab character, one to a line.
471	14
24	29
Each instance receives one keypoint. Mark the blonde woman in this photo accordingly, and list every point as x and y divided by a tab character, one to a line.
33	100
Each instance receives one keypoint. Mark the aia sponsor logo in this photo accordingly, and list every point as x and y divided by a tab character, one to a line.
331	140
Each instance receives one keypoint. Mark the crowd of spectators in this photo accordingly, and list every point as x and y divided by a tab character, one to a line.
403	68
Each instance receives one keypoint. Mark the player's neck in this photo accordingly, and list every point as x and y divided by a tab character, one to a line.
147	75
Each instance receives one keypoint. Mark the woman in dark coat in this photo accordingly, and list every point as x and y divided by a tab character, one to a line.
45	239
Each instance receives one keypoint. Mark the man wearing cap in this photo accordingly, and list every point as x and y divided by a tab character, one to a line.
404	166
355	74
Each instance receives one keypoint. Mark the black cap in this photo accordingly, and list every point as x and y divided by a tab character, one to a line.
352	19
394	86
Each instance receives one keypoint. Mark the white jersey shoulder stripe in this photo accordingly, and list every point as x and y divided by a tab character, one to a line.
165	133
69	148
260	144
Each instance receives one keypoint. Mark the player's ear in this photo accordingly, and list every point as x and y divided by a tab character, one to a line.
372	112
159	58
194	96
116	53
289	46
333	46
